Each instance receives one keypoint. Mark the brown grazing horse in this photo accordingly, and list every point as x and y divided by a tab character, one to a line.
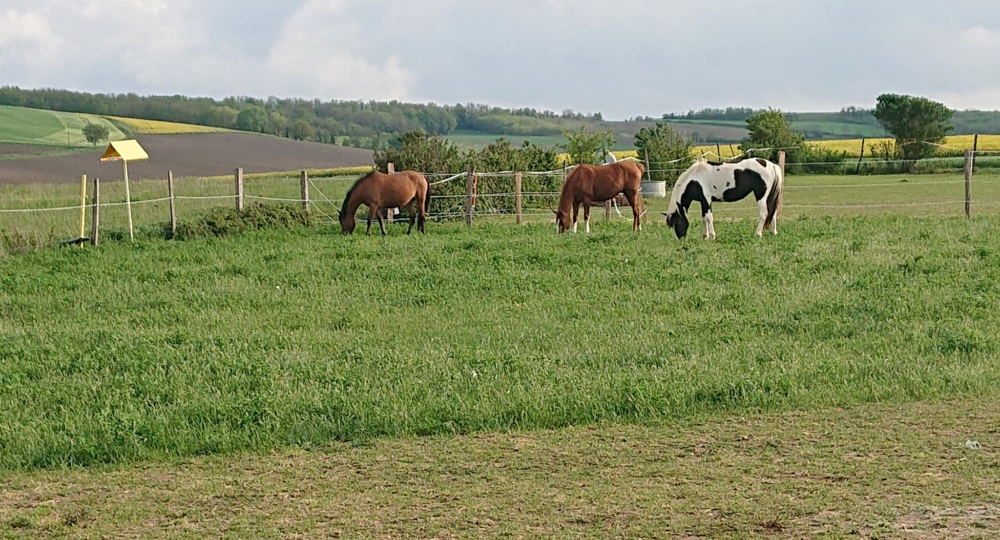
406	189
590	184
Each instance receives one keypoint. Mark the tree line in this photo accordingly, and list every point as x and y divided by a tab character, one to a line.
917	123
365	124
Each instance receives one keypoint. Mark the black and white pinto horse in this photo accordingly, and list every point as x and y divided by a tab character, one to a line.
707	182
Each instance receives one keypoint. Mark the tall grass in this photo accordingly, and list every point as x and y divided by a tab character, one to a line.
303	336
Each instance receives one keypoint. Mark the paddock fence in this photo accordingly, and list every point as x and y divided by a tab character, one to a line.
95	210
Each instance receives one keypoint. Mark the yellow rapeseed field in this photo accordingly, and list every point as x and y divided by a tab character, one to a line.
987	143
155	127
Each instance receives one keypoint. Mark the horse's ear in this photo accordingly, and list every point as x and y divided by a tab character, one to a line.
665	213
556	212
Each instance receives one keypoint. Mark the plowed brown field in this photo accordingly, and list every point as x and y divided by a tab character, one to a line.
186	155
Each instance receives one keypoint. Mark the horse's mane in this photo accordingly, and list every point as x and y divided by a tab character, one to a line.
682	181
347	196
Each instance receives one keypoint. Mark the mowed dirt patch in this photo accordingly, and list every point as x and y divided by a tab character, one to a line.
877	471
209	154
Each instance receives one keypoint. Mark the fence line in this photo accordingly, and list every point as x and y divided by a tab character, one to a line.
322	200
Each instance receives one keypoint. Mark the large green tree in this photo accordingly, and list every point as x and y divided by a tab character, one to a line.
770	133
95	133
667	151
914	122
253	119
584	147
421	151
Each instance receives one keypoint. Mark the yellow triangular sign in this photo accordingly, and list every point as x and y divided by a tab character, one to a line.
124	151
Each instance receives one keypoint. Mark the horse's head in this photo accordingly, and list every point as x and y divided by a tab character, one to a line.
562	221
679	221
346	222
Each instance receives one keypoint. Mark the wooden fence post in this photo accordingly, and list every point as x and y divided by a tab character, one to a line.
173	206
304	190
390	168
239	189
517	198
968	182
83	208
975	148
781	194
470	174
94	240
860	159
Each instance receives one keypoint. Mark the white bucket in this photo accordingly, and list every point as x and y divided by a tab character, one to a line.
654	189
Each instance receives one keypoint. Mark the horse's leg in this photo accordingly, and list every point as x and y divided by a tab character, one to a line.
762	214
586	215
636	221
706	231
422	214
774	224
368	231
413	216
378	216
576	214
761	217
638	211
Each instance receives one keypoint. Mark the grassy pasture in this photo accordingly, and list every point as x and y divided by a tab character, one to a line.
20	125
299	338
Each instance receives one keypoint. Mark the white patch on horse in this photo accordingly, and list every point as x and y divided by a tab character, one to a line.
739	180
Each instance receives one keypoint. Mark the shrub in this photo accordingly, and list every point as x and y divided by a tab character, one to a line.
661	145
502	156
230	221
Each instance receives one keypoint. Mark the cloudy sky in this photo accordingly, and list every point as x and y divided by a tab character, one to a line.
637	58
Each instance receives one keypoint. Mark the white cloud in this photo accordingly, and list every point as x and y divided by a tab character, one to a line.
636	57
26	38
981	38
318	55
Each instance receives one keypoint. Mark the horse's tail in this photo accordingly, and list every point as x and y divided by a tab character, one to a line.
775	197
427	197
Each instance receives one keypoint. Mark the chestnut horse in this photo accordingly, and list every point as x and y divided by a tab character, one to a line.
377	190
591	184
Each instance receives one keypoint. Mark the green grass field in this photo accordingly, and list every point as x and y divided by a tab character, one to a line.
298	382
19	125
276	339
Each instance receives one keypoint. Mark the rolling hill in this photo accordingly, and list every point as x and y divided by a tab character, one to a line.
39	146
